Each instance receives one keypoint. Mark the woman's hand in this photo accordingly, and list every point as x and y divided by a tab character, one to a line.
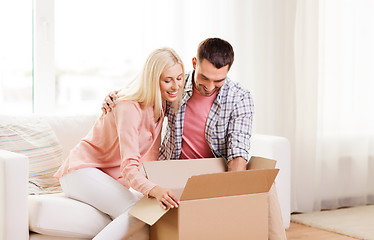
108	103
165	197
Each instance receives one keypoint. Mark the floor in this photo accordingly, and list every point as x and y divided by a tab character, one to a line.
302	232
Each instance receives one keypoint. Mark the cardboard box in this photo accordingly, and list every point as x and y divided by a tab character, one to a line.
214	204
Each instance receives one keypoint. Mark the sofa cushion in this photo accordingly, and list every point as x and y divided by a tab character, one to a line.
34	138
70	129
57	215
37	236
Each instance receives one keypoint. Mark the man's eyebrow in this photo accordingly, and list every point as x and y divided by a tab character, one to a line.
220	80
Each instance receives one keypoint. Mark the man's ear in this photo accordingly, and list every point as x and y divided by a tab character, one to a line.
194	63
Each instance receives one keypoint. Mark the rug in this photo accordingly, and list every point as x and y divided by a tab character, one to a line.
357	222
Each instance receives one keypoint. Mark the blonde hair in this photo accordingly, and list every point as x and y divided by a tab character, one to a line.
145	89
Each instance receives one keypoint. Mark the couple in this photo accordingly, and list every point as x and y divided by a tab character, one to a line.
210	117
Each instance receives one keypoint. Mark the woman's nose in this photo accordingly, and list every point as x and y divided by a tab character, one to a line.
174	85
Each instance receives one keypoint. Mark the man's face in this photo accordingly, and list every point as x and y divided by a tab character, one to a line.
208	79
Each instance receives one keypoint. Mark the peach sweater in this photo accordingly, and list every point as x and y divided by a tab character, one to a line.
117	144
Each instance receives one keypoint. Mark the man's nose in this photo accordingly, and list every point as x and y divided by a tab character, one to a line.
209	87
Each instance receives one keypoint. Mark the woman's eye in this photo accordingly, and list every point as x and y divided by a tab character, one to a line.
179	79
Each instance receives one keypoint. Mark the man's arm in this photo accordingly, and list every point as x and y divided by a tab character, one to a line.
109	102
237	164
239	133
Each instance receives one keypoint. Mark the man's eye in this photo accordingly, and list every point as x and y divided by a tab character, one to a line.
179	79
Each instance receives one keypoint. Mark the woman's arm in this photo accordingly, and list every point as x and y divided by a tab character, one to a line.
128	116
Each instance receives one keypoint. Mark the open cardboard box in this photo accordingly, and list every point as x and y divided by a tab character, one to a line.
214	204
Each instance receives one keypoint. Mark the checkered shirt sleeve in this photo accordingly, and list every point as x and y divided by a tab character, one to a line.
229	123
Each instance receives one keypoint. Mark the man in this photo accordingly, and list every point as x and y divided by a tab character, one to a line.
215	116
214	119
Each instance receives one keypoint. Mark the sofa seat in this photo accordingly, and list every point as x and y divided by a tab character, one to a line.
57	215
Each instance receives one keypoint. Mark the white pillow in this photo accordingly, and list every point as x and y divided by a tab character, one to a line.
34	138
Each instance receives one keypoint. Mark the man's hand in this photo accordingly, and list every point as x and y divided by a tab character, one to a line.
108	103
237	164
165	197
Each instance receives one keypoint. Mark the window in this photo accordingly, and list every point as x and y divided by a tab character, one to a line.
16	56
96	50
65	56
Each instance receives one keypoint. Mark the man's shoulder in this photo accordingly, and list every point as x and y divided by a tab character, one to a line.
234	89
234	97
188	81
187	74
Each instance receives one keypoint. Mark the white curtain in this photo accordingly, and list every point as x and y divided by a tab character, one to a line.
334	126
345	133
318	92
310	68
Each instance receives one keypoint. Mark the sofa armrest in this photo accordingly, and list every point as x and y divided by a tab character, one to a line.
277	148
14	176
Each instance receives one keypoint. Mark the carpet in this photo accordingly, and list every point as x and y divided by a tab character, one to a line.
357	222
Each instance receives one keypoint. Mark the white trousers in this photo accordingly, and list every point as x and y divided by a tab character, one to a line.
94	187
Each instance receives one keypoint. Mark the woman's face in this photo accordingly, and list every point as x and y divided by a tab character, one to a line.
171	82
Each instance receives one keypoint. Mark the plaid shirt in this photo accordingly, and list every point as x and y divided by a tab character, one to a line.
228	127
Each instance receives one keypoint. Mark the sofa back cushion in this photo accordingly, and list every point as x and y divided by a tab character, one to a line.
34	138
70	129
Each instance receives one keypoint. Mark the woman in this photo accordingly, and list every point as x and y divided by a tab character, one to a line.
105	164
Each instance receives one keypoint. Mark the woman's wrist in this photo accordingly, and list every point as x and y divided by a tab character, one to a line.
153	192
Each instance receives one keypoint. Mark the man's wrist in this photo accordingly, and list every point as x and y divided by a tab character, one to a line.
237	164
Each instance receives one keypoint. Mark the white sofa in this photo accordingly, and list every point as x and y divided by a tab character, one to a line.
53	216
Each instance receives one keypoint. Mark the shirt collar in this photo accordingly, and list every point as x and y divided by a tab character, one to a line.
188	87
189	83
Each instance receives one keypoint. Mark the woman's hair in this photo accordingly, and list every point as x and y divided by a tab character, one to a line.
217	51
145	88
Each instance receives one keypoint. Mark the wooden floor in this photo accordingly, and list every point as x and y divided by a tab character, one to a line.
302	232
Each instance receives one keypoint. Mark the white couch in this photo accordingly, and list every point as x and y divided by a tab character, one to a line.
53	216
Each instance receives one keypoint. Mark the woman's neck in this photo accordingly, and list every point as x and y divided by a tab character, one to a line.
155	115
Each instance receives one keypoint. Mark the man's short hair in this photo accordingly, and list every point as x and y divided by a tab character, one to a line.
217	51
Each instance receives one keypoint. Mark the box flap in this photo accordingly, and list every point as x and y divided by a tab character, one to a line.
173	174
261	163
229	184
148	210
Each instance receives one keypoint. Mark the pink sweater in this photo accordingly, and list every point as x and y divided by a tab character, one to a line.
117	144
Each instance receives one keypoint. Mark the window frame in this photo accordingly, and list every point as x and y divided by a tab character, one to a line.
43	63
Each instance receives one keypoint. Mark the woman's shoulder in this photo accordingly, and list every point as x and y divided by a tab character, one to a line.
130	108
128	105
